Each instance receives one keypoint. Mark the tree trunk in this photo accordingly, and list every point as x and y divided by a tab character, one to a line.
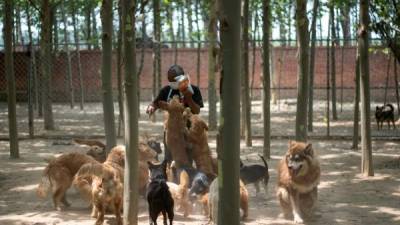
31	73
169	12
78	59
131	120
312	64
9	66
356	105
212	54
328	83
363	44
106	73
198	42
88	26
333	61
246	103
183	31
156	48
303	65
119	68
228	178
266	78
289	21
190	22
396	85
94	29
55	28
68	59
46	57
19	26
33	57
387	78
345	23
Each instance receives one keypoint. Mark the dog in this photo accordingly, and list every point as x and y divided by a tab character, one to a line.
213	198
97	149
298	179
180	193
175	126
159	197
197	136
255	174
58	175
102	184
385	113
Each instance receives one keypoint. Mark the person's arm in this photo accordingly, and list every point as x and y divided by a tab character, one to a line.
152	107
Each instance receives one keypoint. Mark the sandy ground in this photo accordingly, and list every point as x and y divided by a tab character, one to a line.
345	197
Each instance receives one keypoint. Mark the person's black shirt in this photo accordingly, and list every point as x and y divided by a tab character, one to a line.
166	94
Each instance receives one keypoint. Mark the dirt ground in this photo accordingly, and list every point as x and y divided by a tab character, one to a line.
345	197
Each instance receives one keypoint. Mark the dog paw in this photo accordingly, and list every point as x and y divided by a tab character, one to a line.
298	219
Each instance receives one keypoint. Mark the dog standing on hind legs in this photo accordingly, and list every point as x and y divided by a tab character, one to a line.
159	197
298	178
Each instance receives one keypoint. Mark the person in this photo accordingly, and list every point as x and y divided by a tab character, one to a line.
190	94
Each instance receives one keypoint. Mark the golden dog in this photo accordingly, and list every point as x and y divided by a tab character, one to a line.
180	193
298	179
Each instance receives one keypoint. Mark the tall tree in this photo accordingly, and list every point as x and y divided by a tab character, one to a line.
303	65
46	57
228	176
198	42
312	64
363	44
156	48
246	103
190	22
333	60
94	28
131	119
266	5
345	20
78	54
212	55
356	120
68	56
9	65
106	73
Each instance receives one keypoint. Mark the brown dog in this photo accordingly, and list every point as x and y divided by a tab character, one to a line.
58	176
97	149
298	179
175	131
180	193
197	136
106	188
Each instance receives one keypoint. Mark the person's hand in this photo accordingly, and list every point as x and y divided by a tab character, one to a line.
188	92
150	109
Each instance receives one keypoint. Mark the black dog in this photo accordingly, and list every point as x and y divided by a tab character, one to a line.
385	113
158	195
200	185
254	174
156	146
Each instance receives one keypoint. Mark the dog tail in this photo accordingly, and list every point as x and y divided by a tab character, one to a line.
83	177
90	143
184	179
265	162
390	106
44	184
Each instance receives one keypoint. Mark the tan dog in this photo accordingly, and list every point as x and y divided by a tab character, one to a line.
180	193
97	149
106	188
213	199
175	131
58	176
298	179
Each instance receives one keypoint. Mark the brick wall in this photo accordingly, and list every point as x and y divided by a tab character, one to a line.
284	69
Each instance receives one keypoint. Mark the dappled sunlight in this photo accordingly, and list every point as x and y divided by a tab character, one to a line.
25	188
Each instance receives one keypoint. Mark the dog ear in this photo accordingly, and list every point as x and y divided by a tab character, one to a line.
309	150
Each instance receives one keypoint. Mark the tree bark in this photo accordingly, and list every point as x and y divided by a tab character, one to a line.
183	31
46	57
119	69
78	59
198	42
131	119
172	37
312	64
9	66
356	105
363	44
94	29
345	22
106	73
266	78
156	48
33	57
333	61
228	178
212	54
328	83
88	25
190	22
68	59
303	65
396	85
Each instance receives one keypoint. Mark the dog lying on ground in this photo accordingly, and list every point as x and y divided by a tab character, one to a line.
255	174
158	195
180	193
197	136
103	184
385	113
58	176
175	131
213	199
298	179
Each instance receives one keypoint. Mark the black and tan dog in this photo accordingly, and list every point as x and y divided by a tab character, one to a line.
254	174
298	179
384	113
159	197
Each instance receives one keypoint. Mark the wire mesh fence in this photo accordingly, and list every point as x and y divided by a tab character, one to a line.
75	88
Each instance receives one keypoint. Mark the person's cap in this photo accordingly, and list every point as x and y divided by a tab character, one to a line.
175	70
